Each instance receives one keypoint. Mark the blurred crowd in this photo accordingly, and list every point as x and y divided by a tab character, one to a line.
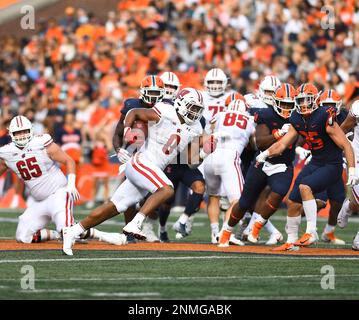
71	78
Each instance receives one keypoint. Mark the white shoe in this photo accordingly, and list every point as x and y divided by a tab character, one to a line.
147	229
189	224
133	229
274	238
331	238
235	241
117	239
68	239
214	238
344	214
355	245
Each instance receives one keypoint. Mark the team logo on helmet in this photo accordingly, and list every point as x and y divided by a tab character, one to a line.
189	105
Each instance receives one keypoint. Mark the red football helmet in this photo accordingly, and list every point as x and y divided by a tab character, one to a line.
306	99
330	98
233	96
152	89
283	100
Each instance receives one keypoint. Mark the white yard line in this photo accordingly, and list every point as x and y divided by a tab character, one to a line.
50	291
125	294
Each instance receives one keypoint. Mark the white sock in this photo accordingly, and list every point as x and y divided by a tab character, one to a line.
292	228
163	228
251	222
261	220
310	210
138	219
77	229
183	218
328	228
215	228
270	227
227	227
47	235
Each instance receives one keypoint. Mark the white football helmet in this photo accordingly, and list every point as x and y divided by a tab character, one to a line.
172	85
189	104
237	106
21	123
267	88
215	82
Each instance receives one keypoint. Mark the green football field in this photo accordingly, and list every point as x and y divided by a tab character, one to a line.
175	275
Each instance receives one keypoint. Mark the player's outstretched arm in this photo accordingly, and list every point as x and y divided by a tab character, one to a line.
146	115
339	138
3	167
277	148
57	154
348	124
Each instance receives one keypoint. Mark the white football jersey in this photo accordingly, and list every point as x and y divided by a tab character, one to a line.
213	105
254	101
235	130
354	112
168	137
32	165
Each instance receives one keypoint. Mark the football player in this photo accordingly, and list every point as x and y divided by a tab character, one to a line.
318	126
180	172
272	125
34	160
152	90
171	130
351	204
234	129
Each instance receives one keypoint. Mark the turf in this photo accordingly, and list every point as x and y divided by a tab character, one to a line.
174	275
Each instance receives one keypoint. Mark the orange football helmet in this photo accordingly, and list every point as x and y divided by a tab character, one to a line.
306	99
233	96
283	100
330	98
152	89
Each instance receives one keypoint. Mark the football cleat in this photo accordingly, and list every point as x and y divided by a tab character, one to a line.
286	247
224	238
253	236
274	238
132	228
117	239
147	229
235	241
164	237
180	228
355	245
131	239
68	239
307	239
332	239
214	238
